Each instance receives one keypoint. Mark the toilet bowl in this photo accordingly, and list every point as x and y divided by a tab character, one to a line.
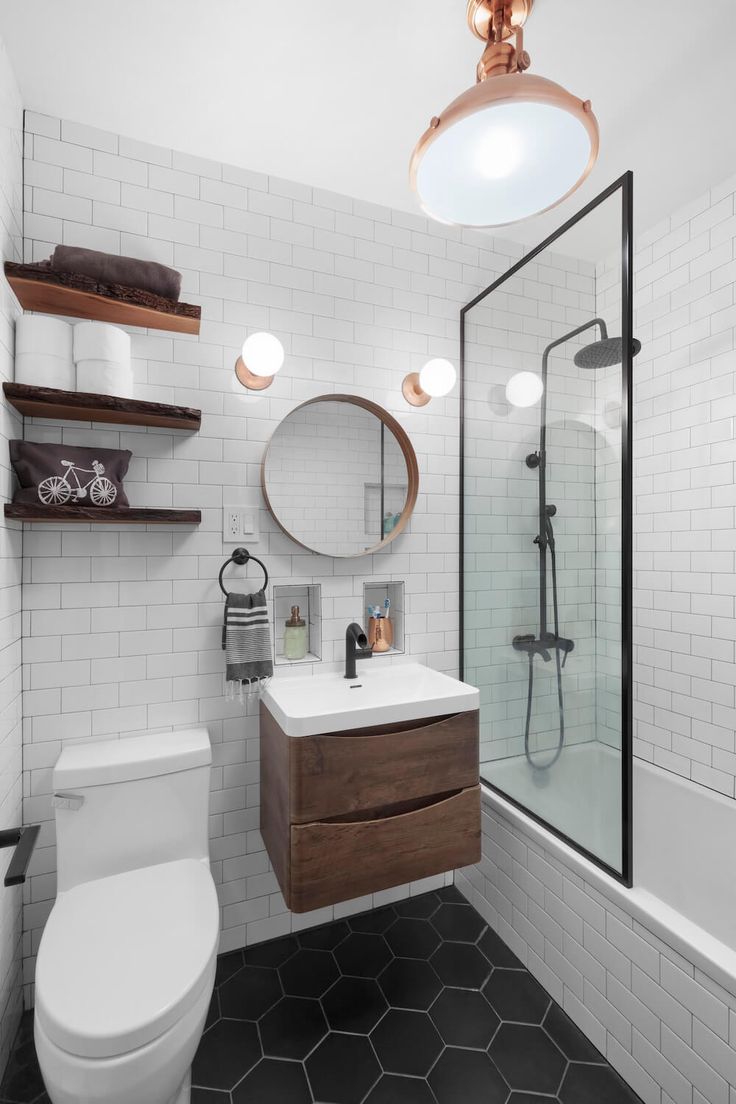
127	959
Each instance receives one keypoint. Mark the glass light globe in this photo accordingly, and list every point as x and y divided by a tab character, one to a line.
524	389
263	354
437	377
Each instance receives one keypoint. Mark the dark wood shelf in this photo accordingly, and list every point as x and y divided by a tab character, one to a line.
75	296
101	515
82	406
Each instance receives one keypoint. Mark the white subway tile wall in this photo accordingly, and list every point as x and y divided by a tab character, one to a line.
685	492
122	626
668	1029
11	541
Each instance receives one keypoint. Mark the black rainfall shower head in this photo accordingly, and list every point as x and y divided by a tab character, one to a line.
603	354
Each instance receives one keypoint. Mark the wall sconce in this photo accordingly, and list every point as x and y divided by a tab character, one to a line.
436	378
260	359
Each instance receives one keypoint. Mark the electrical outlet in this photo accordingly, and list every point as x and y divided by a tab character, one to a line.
239	523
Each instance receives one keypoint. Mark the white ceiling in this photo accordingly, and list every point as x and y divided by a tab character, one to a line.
335	94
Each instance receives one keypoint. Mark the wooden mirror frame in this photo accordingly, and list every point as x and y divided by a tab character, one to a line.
410	459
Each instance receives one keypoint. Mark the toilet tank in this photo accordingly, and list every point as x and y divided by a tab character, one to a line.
123	804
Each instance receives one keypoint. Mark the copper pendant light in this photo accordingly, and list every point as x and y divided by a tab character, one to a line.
513	145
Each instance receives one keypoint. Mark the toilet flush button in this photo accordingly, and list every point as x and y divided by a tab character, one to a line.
68	801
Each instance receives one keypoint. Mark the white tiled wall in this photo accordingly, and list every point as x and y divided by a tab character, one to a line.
685	492
122	627
11	213
666	1027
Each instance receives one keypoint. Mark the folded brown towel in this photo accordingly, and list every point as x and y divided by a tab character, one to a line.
108	269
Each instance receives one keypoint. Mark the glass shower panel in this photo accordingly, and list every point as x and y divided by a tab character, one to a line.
546	534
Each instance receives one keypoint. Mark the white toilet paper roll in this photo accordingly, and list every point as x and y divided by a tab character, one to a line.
37	333
99	341
105	377
44	370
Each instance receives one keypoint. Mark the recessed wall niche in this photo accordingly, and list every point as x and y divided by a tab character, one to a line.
308	597
375	594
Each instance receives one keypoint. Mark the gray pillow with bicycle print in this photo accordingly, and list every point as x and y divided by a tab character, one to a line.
69	475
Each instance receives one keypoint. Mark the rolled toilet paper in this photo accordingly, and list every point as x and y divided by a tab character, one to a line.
99	341
105	377
37	333
45	370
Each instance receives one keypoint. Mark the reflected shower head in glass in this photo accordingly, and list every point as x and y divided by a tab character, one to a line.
604	353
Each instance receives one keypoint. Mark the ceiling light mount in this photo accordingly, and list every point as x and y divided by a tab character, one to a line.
513	145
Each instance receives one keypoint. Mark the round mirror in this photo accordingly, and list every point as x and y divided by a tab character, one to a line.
340	476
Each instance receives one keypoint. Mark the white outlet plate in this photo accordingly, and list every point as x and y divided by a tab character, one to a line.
240	524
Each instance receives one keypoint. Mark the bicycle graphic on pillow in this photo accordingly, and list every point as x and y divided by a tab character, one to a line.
58	489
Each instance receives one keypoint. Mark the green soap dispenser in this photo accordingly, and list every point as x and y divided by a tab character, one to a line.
295	636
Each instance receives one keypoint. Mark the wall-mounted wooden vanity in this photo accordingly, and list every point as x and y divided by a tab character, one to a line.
350	812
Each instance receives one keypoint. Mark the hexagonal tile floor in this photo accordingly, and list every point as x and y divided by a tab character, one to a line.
414	1003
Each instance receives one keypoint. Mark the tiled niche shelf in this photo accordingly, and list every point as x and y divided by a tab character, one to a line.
308	596
375	594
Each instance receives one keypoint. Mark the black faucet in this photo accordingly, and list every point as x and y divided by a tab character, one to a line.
356	647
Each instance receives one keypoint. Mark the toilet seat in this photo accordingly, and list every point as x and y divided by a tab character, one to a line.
123	958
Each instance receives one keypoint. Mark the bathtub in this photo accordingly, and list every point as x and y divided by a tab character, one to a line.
648	973
684	887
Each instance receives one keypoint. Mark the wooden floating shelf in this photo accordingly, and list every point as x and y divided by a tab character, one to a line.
102	515
82	406
76	296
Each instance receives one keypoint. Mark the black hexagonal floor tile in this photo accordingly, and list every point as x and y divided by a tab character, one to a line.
354	1004
292	1028
226	1053
249	993
410	983
272	1081
363	954
584	1083
342	1069
325	938
516	995
467	1077
461	965
227	965
273	953
459	922
308	973
422	906
464	1018
569	1038
496	951
213	1012
210	1096
534	1098
410	937
451	893
406	1042
393	1089
527	1058
375	921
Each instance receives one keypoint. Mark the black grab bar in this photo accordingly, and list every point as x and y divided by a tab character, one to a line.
24	840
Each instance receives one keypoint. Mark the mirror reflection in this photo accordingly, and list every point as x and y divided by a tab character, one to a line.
339	476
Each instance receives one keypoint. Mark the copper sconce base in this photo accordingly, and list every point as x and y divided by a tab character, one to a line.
250	379
412	391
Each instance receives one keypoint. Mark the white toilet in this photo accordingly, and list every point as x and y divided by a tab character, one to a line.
126	964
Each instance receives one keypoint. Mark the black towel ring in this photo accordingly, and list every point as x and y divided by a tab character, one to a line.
241	556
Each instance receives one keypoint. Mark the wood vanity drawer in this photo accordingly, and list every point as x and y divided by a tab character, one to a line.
342	772
341	859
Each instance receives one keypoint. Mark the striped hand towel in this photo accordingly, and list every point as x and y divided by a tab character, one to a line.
247	642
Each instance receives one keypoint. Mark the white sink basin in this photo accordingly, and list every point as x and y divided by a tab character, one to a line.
379	695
